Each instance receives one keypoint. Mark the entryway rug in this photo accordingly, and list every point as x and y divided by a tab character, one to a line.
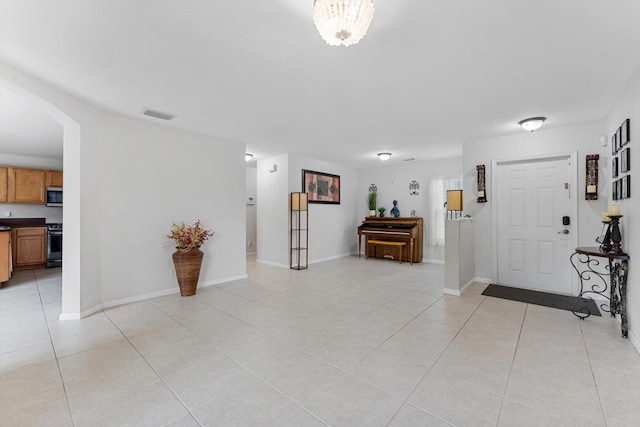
562	302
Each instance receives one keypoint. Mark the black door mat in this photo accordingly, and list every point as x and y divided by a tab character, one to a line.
562	302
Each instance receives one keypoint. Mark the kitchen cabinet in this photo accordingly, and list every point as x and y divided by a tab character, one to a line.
5	256
54	179
3	184
26	186
29	246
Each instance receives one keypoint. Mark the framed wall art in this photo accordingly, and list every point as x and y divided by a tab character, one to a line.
626	187
614	144
625	160
625	136
614	168
591	177
321	187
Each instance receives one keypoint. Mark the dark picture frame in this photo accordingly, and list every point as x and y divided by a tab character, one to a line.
625	160
625	136
614	167
321	187
619	188
626	187
614	144
614	190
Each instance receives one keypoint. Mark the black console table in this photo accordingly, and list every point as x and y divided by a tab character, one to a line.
609	281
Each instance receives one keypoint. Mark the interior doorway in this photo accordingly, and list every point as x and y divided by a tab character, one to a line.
535	222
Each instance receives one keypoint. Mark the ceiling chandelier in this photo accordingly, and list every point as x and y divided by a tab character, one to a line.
342	22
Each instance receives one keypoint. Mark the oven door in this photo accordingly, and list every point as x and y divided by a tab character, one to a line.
54	248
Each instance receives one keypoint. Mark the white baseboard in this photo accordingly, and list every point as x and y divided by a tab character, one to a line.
483	280
251	253
273	264
129	300
459	292
316	261
433	261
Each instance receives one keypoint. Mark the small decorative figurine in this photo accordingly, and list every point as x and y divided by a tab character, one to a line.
395	212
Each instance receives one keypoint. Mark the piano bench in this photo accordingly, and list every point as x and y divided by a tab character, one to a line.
389	243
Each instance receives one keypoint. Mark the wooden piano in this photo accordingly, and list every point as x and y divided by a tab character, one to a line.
400	229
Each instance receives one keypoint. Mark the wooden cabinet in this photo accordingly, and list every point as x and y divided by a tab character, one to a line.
54	178
5	256
3	184
29	247
26	186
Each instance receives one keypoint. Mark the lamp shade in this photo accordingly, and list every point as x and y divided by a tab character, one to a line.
454	200
299	201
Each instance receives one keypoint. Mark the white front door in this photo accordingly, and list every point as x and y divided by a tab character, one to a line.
533	249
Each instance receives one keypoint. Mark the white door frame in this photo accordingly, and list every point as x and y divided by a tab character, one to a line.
573	194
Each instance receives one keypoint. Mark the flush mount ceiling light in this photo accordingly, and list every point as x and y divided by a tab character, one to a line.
532	123
248	157
384	156
342	22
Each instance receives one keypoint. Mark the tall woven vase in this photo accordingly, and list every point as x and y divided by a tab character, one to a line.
187	265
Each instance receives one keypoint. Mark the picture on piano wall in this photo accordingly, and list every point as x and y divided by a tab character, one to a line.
321	187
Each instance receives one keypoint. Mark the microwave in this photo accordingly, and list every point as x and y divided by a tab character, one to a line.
54	196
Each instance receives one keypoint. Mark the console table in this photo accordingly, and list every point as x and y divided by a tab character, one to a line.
609	281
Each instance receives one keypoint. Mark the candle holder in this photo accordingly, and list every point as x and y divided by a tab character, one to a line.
605	237
616	237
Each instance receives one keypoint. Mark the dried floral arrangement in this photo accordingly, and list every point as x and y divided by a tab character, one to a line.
187	237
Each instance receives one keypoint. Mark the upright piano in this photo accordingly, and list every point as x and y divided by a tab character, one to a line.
402	229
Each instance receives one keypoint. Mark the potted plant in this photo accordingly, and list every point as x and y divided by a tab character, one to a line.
381	210
187	259
373	197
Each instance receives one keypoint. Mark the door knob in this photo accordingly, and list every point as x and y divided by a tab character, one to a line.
563	232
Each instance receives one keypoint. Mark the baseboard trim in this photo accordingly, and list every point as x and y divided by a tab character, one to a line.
137	298
316	261
483	280
273	264
459	292
433	261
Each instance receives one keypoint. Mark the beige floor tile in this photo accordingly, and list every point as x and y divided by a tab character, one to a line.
617	384
251	403
484	345
97	359
413	348
153	405
26	357
620	413
464	364
569	400
46	407
31	379
90	392
209	380
410	416
184	421
347	401
456	401
389	373
180	354
514	414
85	341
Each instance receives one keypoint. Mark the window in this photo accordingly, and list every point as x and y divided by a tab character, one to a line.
438	193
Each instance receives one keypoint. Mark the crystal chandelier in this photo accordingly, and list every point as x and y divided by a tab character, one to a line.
342	22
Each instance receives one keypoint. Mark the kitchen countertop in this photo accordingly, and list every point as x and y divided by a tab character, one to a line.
23	222
4	228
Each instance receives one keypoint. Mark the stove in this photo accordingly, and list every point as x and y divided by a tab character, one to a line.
54	245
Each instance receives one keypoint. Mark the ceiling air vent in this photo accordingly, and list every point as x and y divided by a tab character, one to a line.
157	114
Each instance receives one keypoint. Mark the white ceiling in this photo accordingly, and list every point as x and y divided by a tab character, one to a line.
429	74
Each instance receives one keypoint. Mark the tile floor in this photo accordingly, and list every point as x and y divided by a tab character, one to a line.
350	342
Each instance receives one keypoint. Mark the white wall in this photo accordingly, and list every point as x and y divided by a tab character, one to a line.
583	138
628	107
252	224
126	180
51	214
393	184
332	228
273	210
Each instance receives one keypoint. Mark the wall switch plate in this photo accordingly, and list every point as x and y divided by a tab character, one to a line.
7	213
